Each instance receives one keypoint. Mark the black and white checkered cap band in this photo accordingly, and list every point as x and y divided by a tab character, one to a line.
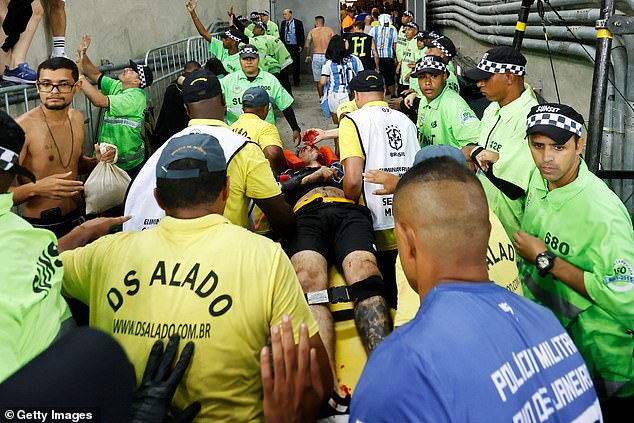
554	119
141	71
7	159
440	47
246	50
495	67
228	34
426	64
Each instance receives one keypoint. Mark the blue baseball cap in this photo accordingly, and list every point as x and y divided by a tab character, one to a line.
201	147
256	97
437	151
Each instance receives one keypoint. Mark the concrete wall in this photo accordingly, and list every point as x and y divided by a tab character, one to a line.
574	76
122	29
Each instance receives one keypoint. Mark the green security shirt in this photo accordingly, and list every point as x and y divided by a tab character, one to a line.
248	30
452	80
32	310
123	121
410	55
503	130
272	29
447	120
588	226
266	45
235	84
231	62
401	43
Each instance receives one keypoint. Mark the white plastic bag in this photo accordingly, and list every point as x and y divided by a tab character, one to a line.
105	187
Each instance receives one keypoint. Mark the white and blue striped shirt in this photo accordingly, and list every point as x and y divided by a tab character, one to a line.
384	38
340	75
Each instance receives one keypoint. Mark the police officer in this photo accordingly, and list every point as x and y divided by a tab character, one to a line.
578	249
443	116
502	155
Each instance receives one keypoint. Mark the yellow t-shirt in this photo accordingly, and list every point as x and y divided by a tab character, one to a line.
257	130
250	175
350	146
210	281
346	107
500	264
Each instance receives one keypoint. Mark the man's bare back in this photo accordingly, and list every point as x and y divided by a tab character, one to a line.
321	36
52	151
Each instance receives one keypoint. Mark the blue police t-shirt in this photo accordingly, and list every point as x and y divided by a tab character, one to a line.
479	353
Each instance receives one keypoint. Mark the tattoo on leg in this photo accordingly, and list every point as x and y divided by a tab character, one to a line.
373	320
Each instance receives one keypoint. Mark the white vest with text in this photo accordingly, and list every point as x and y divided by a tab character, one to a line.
140	202
389	142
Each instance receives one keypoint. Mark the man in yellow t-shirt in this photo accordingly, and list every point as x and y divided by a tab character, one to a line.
501	253
250	172
251	124
193	275
376	137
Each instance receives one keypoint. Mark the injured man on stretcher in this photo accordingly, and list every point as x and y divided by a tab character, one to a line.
332	229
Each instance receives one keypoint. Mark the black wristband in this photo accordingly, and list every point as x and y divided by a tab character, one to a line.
474	154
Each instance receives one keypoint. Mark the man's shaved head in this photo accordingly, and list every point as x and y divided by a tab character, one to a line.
440	206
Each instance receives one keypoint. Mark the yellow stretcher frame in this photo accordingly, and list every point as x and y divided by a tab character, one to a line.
350	355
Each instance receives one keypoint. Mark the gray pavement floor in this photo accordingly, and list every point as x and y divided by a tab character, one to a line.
307	111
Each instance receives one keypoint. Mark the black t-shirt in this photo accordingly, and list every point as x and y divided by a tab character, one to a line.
296	191
360	44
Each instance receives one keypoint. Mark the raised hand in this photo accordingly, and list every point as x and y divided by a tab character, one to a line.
191	5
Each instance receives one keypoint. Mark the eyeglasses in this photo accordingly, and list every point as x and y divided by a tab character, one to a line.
63	88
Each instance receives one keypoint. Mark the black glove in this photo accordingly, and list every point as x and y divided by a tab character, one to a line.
152	401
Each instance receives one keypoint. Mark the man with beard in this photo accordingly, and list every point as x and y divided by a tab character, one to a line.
53	151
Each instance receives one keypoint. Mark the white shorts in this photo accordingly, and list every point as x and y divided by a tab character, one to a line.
335	99
318	63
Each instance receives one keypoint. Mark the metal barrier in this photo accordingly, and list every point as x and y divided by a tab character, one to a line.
166	62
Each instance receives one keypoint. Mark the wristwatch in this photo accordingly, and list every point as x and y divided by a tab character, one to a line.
545	262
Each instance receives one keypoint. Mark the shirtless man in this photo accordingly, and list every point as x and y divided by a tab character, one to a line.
319	36
53	152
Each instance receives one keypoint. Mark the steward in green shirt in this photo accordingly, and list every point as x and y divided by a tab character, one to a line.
125	103
443	116
401	39
32	311
226	49
577	244
255	19
410	53
271	27
235	84
502	156
442	47
278	55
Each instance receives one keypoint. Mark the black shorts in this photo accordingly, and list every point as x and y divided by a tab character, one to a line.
388	70
334	230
